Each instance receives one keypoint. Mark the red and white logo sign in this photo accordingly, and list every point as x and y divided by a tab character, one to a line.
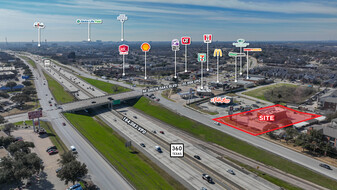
207	38
186	40
34	114
267	118
220	100
123	49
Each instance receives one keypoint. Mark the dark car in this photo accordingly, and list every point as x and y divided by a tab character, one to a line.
157	99
326	166
162	132
53	151
197	157
207	178
40	109
135	117
142	144
64	124
51	148
155	132
93	102
231	171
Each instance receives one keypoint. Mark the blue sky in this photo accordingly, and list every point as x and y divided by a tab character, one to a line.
158	20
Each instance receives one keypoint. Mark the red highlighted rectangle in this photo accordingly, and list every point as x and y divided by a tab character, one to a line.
263	120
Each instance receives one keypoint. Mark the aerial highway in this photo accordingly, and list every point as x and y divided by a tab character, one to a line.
277	149
100	171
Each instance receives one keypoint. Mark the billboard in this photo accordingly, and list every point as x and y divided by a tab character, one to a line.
35	114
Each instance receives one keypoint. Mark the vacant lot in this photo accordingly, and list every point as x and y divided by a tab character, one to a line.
209	134
278	93
105	86
61	96
140	171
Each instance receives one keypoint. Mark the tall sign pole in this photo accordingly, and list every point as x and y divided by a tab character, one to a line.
201	58
235	55
89	21
122	18
217	54
145	48
248	50
207	40
123	50
240	43
39	26
186	40
175	48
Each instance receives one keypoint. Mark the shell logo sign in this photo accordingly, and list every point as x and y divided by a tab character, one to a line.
145	47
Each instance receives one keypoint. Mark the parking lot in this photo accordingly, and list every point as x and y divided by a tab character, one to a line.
48	178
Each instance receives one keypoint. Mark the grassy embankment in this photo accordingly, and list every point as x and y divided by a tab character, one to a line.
105	86
209	134
61	96
134	166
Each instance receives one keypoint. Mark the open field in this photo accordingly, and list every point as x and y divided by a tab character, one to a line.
135	167
105	86
259	93
61	96
209	134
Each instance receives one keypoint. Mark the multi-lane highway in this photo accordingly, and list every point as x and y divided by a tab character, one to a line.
101	172
205	119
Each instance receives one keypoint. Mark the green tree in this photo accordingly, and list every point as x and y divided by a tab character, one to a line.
11	84
21	98
2	119
290	133
8	128
20	146
27	83
72	172
66	158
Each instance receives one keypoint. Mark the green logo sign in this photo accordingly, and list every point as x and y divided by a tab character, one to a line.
201	57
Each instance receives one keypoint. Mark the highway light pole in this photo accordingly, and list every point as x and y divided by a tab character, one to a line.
217	54
39	26
175	48
145	48
89	21
122	18
240	43
186	40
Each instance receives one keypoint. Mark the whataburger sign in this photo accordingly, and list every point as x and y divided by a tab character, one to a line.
252	49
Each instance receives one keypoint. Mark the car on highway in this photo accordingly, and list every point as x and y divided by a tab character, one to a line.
155	132
93	102
135	117
49	101
46	94
142	144
231	171
157	99
197	157
216	123
64	124
50	104
51	148
158	149
203	188
40	109
326	166
53	151
162	132
73	149
207	178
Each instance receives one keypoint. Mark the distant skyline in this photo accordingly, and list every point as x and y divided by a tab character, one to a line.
158	20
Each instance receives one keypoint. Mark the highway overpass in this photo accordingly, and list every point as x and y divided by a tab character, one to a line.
99	101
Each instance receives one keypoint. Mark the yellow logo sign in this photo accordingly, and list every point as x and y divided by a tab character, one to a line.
145	47
217	52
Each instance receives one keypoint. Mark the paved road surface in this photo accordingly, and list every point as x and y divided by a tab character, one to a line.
102	174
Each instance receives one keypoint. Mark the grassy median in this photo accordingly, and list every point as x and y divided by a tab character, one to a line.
209	134
61	96
134	166
31	62
105	86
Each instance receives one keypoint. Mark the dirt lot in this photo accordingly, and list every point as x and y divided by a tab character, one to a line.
48	179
